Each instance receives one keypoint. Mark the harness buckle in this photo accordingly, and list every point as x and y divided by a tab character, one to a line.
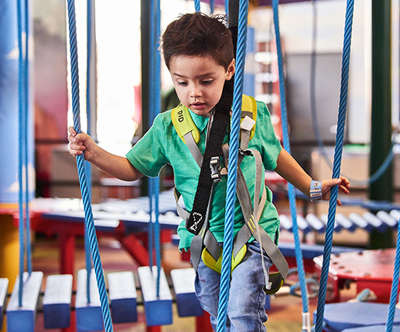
215	169
245	152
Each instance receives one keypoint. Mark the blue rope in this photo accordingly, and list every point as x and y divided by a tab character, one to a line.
154	109
88	169
151	85
227	8
286	144
26	139
21	102
197	5
395	284
336	164
387	161
89	223
212	6
232	168
157	108
150	227
156	184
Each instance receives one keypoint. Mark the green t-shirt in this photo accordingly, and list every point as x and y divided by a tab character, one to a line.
161	145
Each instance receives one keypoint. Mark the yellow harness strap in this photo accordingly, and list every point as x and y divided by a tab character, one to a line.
216	265
183	122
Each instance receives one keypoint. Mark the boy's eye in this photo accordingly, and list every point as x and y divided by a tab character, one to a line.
206	82
182	83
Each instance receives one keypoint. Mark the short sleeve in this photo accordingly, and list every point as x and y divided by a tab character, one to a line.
270	145
147	155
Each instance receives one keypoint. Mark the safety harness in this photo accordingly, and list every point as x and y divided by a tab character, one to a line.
204	244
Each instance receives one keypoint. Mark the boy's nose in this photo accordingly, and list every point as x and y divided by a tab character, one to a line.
195	92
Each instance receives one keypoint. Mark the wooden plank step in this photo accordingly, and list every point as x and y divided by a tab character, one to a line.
23	318
57	301
88	315
122	292
3	297
158	311
186	299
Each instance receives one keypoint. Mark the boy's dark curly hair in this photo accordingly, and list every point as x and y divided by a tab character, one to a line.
198	34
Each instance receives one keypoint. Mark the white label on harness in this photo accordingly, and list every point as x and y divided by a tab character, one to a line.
197	219
247	123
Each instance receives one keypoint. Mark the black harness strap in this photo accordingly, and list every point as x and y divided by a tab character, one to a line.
213	149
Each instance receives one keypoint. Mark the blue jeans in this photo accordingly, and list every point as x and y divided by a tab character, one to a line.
246	296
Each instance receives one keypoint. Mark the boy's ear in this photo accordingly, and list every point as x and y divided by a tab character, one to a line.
230	71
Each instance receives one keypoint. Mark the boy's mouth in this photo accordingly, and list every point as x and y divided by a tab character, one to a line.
197	105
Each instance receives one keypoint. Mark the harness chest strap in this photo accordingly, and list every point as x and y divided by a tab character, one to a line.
251	219
189	133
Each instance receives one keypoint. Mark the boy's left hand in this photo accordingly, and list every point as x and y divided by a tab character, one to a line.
342	182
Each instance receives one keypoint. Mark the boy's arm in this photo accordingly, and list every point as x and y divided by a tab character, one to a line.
288	168
117	166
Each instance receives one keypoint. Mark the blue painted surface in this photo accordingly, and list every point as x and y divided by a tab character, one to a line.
56	316
9	105
188	305
89	319
249	84
310	250
341	316
250	40
123	310
1	316
249	76
379	328
21	320
158	312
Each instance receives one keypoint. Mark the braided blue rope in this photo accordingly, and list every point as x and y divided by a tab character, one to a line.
26	138
151	85
157	108
286	144
336	165
395	284
154	109
232	168
150	231
21	102
88	169
89	38
156	184
89	223
227	8
197	5
212	6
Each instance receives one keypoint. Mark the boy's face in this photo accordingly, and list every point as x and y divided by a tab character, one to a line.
198	81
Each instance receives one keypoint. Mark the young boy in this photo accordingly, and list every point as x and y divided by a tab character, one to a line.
198	52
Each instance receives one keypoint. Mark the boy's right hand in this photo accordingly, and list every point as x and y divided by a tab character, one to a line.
80	143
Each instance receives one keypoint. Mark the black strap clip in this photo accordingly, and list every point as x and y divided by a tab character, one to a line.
245	152
215	169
